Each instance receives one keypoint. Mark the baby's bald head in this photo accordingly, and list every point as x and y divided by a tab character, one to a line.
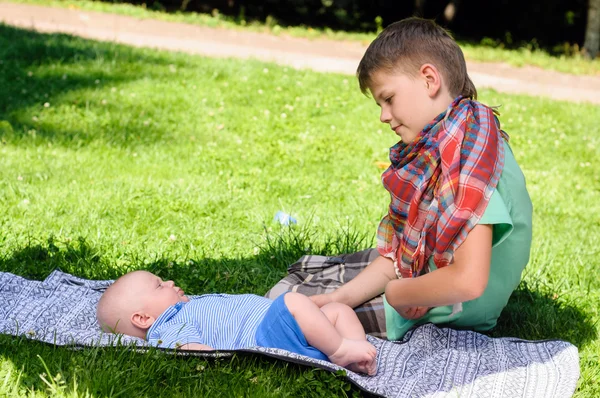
135	301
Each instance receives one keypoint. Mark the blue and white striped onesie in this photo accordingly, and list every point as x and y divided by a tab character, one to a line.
221	321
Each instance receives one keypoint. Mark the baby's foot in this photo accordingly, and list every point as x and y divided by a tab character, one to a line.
367	367
359	354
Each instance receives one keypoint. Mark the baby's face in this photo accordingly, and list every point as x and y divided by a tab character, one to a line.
156	294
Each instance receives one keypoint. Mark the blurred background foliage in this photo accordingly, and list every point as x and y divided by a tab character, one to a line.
558	26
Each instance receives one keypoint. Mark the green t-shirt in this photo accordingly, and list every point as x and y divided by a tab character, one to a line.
509	212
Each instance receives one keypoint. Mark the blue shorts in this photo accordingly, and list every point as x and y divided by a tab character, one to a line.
279	329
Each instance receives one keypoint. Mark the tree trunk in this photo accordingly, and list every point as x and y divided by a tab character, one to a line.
592	31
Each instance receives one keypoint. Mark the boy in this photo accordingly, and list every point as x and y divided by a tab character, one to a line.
457	235
140	304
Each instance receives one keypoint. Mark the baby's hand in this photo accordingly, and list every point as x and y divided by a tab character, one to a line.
412	312
195	347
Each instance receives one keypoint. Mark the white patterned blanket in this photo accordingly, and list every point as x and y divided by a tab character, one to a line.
428	362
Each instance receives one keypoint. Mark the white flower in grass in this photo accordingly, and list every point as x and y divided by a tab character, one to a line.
35	118
25	201
172	238
283	115
266	70
46	105
29	73
260	91
64	77
20	178
104	102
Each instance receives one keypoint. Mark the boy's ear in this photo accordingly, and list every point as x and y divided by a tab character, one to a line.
142	320
432	79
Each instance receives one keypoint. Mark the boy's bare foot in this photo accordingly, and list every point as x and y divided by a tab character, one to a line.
321	299
357	355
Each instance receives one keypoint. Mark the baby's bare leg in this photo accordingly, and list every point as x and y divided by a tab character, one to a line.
345	321
321	333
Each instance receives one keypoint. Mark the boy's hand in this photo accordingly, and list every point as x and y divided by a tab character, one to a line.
321	299
412	312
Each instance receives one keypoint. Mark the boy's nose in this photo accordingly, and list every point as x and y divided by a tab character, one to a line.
385	116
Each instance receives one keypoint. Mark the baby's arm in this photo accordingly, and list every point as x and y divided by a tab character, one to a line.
463	280
195	347
184	336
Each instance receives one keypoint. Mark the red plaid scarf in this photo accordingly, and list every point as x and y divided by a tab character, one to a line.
440	185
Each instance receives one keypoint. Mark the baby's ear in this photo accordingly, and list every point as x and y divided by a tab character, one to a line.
142	320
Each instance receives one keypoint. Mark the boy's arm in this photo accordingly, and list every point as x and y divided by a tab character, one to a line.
369	283
463	280
195	347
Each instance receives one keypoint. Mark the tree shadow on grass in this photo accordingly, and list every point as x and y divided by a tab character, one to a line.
535	315
36	69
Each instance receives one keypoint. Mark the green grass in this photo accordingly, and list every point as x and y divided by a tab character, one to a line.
115	159
527	54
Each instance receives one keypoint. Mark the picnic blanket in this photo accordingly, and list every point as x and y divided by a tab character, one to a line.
429	361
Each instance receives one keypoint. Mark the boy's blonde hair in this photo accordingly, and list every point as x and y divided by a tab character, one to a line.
406	45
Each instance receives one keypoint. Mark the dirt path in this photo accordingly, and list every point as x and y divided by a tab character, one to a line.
320	55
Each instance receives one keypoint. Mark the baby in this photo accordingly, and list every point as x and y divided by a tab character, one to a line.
140	304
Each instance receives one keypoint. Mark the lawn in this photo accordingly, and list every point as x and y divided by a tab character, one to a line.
116	159
485	51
